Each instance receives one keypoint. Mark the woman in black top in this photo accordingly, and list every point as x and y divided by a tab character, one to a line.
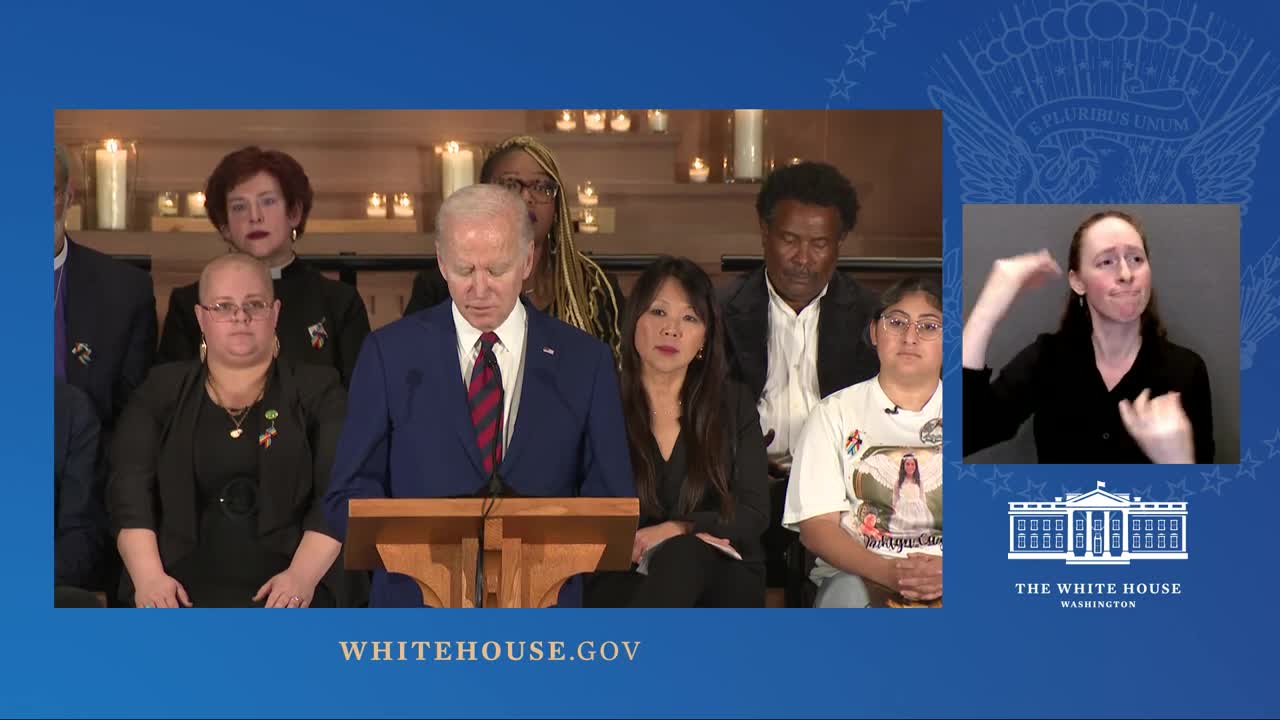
1108	387
218	467
565	283
259	202
697	451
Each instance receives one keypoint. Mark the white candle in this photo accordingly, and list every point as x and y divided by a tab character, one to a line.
567	122
587	196
376	207
593	120
457	169
698	171
403	205
167	204
748	144
658	121
113	199
588	224
195	205
621	121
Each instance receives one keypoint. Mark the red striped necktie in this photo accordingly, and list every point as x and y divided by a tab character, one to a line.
484	395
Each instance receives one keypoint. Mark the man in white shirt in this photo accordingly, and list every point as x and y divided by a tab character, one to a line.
795	328
479	392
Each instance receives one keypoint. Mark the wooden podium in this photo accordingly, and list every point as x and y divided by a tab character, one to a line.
531	545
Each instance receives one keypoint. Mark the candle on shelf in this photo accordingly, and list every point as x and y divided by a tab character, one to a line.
748	144
593	120
195	205
587	196
796	161
621	121
457	168
658	121
588	224
566	122
402	206
113	199
698	171
376	207
167	204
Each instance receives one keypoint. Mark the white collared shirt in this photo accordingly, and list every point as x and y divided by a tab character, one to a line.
791	384
61	257
509	351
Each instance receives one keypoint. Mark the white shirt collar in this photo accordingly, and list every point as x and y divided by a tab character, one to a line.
277	272
61	257
776	300
510	332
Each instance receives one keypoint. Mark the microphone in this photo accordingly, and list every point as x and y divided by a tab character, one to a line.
893	411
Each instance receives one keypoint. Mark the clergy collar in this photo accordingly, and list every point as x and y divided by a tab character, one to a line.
278	272
61	258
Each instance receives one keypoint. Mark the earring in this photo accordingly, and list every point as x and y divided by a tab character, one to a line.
551	244
204	350
699	355
1081	297
293	234
276	353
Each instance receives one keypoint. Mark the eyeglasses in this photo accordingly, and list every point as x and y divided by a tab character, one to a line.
542	191
897	323
226	311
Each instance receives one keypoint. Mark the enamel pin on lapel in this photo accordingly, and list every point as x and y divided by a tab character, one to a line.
318	334
82	352
270	433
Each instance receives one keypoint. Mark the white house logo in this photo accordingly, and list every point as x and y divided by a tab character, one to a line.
1106	102
1098	528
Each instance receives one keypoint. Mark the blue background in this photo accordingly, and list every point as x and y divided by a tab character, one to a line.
988	652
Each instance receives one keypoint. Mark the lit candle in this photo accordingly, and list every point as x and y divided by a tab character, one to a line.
457	169
621	121
698	171
377	206
593	120
167	204
403	205
587	196
567	122
796	161
113	199
658	121
588	224
195	205
748	144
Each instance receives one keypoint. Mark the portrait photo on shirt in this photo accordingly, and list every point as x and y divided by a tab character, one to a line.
899	499
1048	388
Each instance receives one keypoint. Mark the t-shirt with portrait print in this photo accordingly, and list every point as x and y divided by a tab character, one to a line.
878	465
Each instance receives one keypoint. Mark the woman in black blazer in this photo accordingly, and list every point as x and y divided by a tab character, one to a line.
697	451
219	467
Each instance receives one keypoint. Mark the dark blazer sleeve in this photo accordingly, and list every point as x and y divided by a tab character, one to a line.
994	410
328	408
748	479
140	349
180	338
1197	401
606	462
81	524
429	290
361	462
355	328
135	453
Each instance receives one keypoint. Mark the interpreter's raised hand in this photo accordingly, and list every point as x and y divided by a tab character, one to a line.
1160	427
1010	276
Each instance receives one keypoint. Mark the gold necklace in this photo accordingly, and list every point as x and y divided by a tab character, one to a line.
236	418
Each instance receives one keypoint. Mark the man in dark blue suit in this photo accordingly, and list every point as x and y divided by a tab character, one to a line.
79	512
441	397
104	315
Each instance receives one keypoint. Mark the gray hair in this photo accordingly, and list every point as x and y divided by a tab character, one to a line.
484	202
236	259
61	166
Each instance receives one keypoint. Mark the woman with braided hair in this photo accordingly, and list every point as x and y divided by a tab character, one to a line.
565	283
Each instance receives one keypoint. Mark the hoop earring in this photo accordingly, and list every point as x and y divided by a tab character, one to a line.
204	350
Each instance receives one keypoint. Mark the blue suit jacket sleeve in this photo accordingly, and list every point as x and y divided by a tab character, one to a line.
360	465
607	459
81	526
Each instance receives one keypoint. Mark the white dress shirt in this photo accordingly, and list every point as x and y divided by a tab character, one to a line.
509	351
791	384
